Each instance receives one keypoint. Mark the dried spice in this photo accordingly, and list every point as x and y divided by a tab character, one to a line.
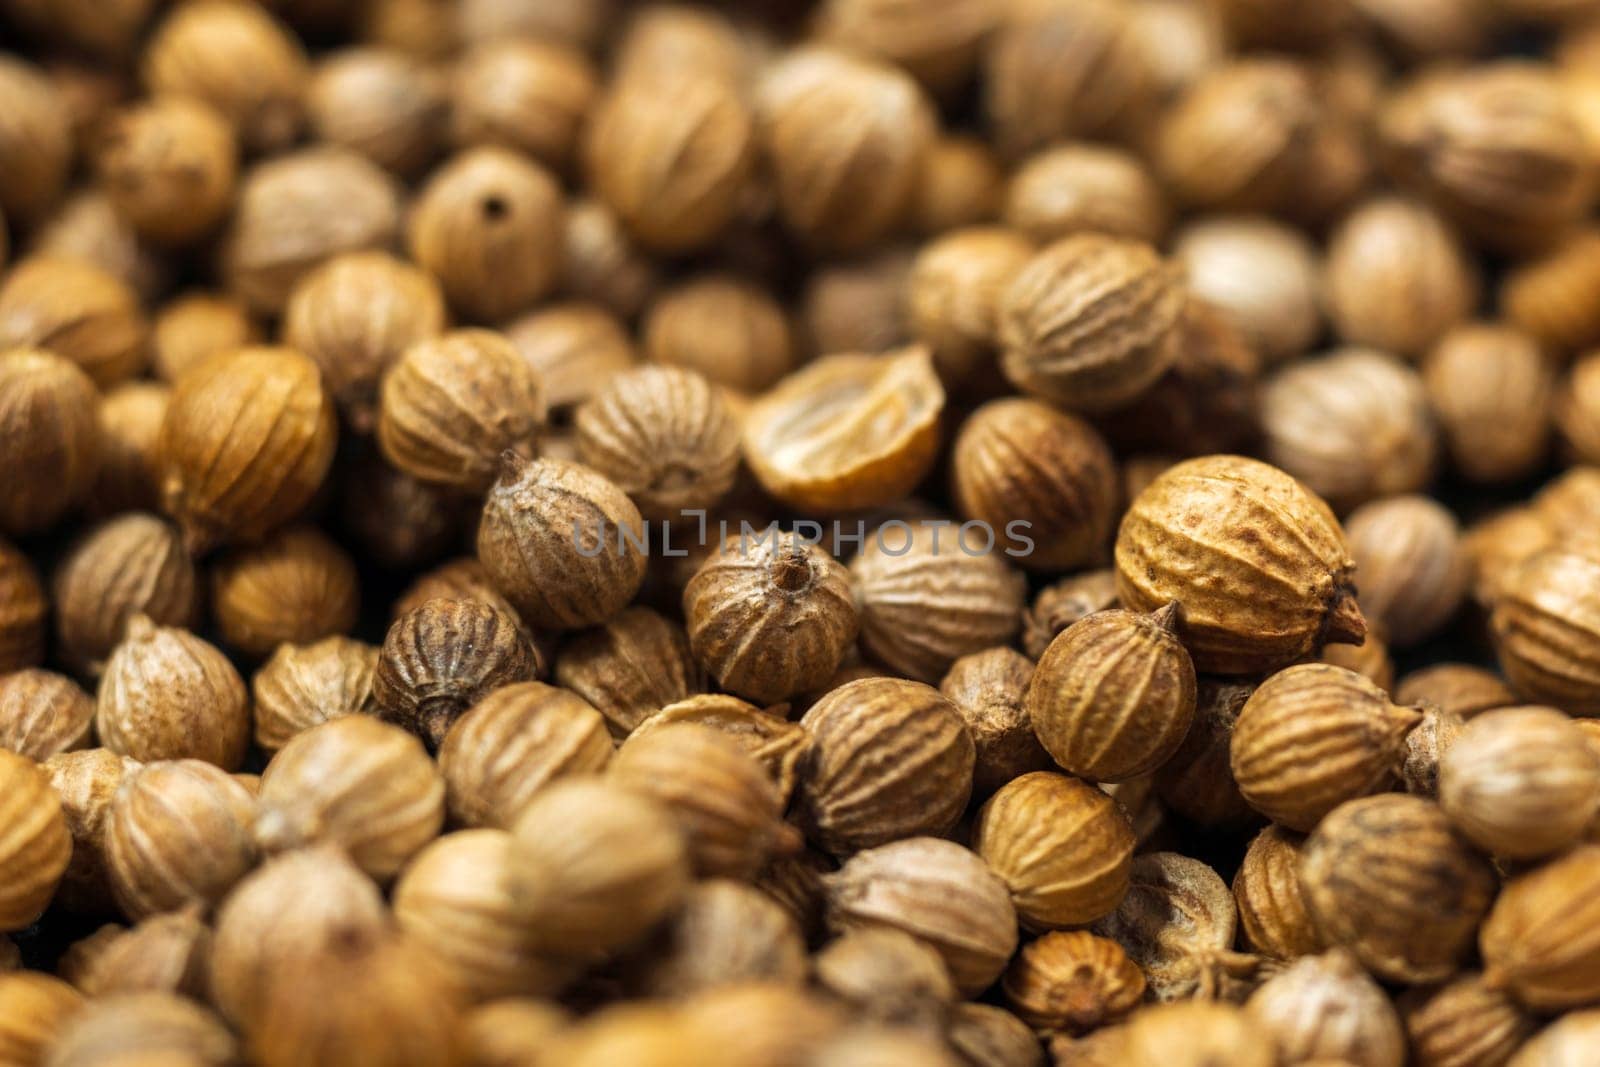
167	694
34	842
51	435
988	688
302	686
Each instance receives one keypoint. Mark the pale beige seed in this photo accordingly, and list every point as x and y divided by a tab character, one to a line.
1327	1007
934	890
43	713
166	694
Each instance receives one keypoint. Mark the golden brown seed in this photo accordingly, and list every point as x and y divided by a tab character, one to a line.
302	686
355	782
287	917
595	866
1539	940
169	167
1058	70
404	1009
1289	588
1463	1024
133	1028
1113	696
629	668
889	759
1084	187
454	902
769	615
34	842
726	935
1197	781
1566	1041
777	744
1520	782
129	478
1397	278
577	22
513	743
511	1031
728	329
167	953
1499	543
1021	461
238	59
1255	135
296	212
51	437
846	138
1387	878
1314	736
43	713
39	1008
936	891
1263	276
952	296
1072	981
887	976
1413	570
441	658
453	405
1177	923
987	688
600	263
961	185
354	316
293	588
248	438
929	594
1455	687
166	694
1089	322
1352	426
1061	846
577	349
85	782
386	105
1327	1007
1496	148
672	155
723	801
35	142
195	326
1551	297
528	95
1545	624
664	436
938	43
23	608
1490	388
88	230
847	431
178	834
858	306
488	226
561	542
1577	409
1273	915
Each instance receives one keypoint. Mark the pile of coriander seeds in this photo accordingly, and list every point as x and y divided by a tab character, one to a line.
850	533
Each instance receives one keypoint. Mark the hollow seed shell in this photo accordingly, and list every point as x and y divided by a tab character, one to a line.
1177	922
